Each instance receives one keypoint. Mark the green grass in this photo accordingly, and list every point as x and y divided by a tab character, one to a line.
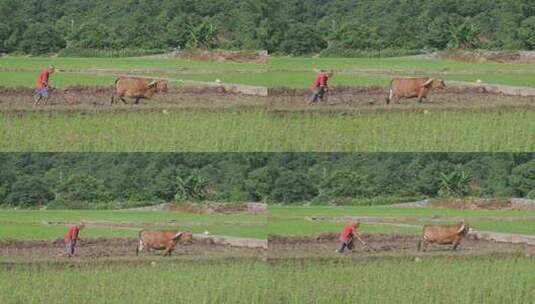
389	64
38	63
60	80
296	80
301	227
35	231
252	131
293	220
33	224
278	72
236	282
470	281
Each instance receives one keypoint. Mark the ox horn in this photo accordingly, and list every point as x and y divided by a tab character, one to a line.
177	236
463	226
152	83
428	82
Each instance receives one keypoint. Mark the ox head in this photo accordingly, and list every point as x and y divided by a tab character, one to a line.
183	237
159	85
435	83
464	228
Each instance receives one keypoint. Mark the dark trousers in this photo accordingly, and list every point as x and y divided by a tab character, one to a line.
317	94
343	245
69	247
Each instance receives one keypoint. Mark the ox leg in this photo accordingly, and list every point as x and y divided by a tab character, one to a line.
122	99
456	244
139	247
137	100
423	94
426	244
390	96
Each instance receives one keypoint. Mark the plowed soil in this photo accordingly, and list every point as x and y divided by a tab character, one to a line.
382	246
115	249
339	99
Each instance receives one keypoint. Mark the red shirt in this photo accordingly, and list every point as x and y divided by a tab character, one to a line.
72	234
321	80
42	79
349	229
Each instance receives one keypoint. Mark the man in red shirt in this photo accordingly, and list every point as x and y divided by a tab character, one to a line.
348	234
41	89
71	236
320	86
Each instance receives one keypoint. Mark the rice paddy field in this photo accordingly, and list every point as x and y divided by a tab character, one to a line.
310	221
354	118
490	280
162	282
471	280
50	225
296	267
277	71
260	131
299	265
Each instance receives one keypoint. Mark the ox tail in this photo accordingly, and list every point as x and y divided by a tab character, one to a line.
390	93
114	90
139	247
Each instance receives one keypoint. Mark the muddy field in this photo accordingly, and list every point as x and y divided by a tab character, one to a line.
382	246
340	98
116	250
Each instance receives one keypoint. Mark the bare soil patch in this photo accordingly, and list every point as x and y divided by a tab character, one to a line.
397	246
102	249
340	99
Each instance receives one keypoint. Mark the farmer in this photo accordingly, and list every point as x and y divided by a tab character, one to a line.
71	237
41	91
320	86
347	236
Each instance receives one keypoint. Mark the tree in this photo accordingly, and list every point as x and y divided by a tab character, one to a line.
260	182
164	184
526	33
302	39
464	36
83	188
192	188
93	35
29	191
523	178
354	36
203	36
293	187
455	184
40	39
344	184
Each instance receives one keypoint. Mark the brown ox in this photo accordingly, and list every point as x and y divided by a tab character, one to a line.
412	88
444	235
162	240
137	88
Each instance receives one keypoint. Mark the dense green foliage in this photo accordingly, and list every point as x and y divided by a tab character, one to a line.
289	26
33	179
